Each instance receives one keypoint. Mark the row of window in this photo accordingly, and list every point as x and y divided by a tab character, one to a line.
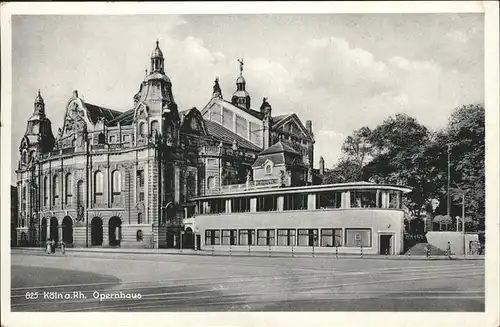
299	201
324	237
116	188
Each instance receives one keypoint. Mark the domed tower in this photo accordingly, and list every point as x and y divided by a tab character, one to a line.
155	100
241	98
38	137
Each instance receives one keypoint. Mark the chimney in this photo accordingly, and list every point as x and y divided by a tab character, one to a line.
75	94
321	166
309	125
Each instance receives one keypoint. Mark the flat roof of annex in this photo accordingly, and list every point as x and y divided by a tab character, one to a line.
354	186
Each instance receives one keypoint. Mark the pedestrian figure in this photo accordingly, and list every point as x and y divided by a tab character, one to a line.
63	247
47	247
53	245
427	250
448	250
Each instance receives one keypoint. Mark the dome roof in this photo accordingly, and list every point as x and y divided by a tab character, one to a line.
241	94
157	75
157	52
38	98
240	79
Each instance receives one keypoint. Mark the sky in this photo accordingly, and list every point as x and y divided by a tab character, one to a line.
342	71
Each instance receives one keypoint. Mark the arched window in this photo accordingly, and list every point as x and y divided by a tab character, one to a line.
101	139
55	190
142	128
32	155
46	191
68	187
155	127
116	186
98	187
269	169
24	156
139	218
139	236
211	183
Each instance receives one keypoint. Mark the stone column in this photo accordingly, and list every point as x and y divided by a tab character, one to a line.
253	204
377	201
280	202
59	232
228	206
311	201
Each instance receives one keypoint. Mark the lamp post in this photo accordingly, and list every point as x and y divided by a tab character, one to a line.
448	198
463	220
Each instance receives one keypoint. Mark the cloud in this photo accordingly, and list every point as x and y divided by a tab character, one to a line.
341	87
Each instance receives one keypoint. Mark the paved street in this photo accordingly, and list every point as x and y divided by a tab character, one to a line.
168	282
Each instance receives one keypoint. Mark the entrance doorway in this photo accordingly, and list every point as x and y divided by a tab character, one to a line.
188	239
54	229
115	228
198	242
385	244
96	231
67	230
43	231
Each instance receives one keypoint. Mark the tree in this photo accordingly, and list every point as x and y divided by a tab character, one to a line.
403	154
358	146
345	171
465	134
356	150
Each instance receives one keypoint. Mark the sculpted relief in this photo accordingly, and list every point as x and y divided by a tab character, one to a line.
74	121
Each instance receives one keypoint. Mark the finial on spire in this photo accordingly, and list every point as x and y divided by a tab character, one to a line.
217	92
241	66
157	43
39	92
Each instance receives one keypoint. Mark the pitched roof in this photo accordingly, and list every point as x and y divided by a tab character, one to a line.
278	148
95	112
277	119
255	113
125	118
224	135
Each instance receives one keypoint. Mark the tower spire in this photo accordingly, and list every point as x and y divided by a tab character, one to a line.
39	105
157	59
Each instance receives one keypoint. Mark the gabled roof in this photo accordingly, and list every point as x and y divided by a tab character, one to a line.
277	119
279	148
226	136
279	153
95	112
276	123
125	118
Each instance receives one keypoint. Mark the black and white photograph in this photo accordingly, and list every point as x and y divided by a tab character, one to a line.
247	160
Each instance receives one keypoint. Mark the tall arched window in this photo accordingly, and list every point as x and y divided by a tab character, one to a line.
98	187
46	191
55	190
155	127
142	128
139	218
68	188
116	186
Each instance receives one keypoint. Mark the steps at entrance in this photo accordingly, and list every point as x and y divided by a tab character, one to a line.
419	249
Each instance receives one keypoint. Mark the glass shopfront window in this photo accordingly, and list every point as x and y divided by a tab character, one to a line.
357	237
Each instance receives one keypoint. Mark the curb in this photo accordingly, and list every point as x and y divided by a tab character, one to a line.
208	253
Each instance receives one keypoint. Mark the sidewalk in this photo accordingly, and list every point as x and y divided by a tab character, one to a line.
244	253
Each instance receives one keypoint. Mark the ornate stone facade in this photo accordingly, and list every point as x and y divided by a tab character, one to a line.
113	178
